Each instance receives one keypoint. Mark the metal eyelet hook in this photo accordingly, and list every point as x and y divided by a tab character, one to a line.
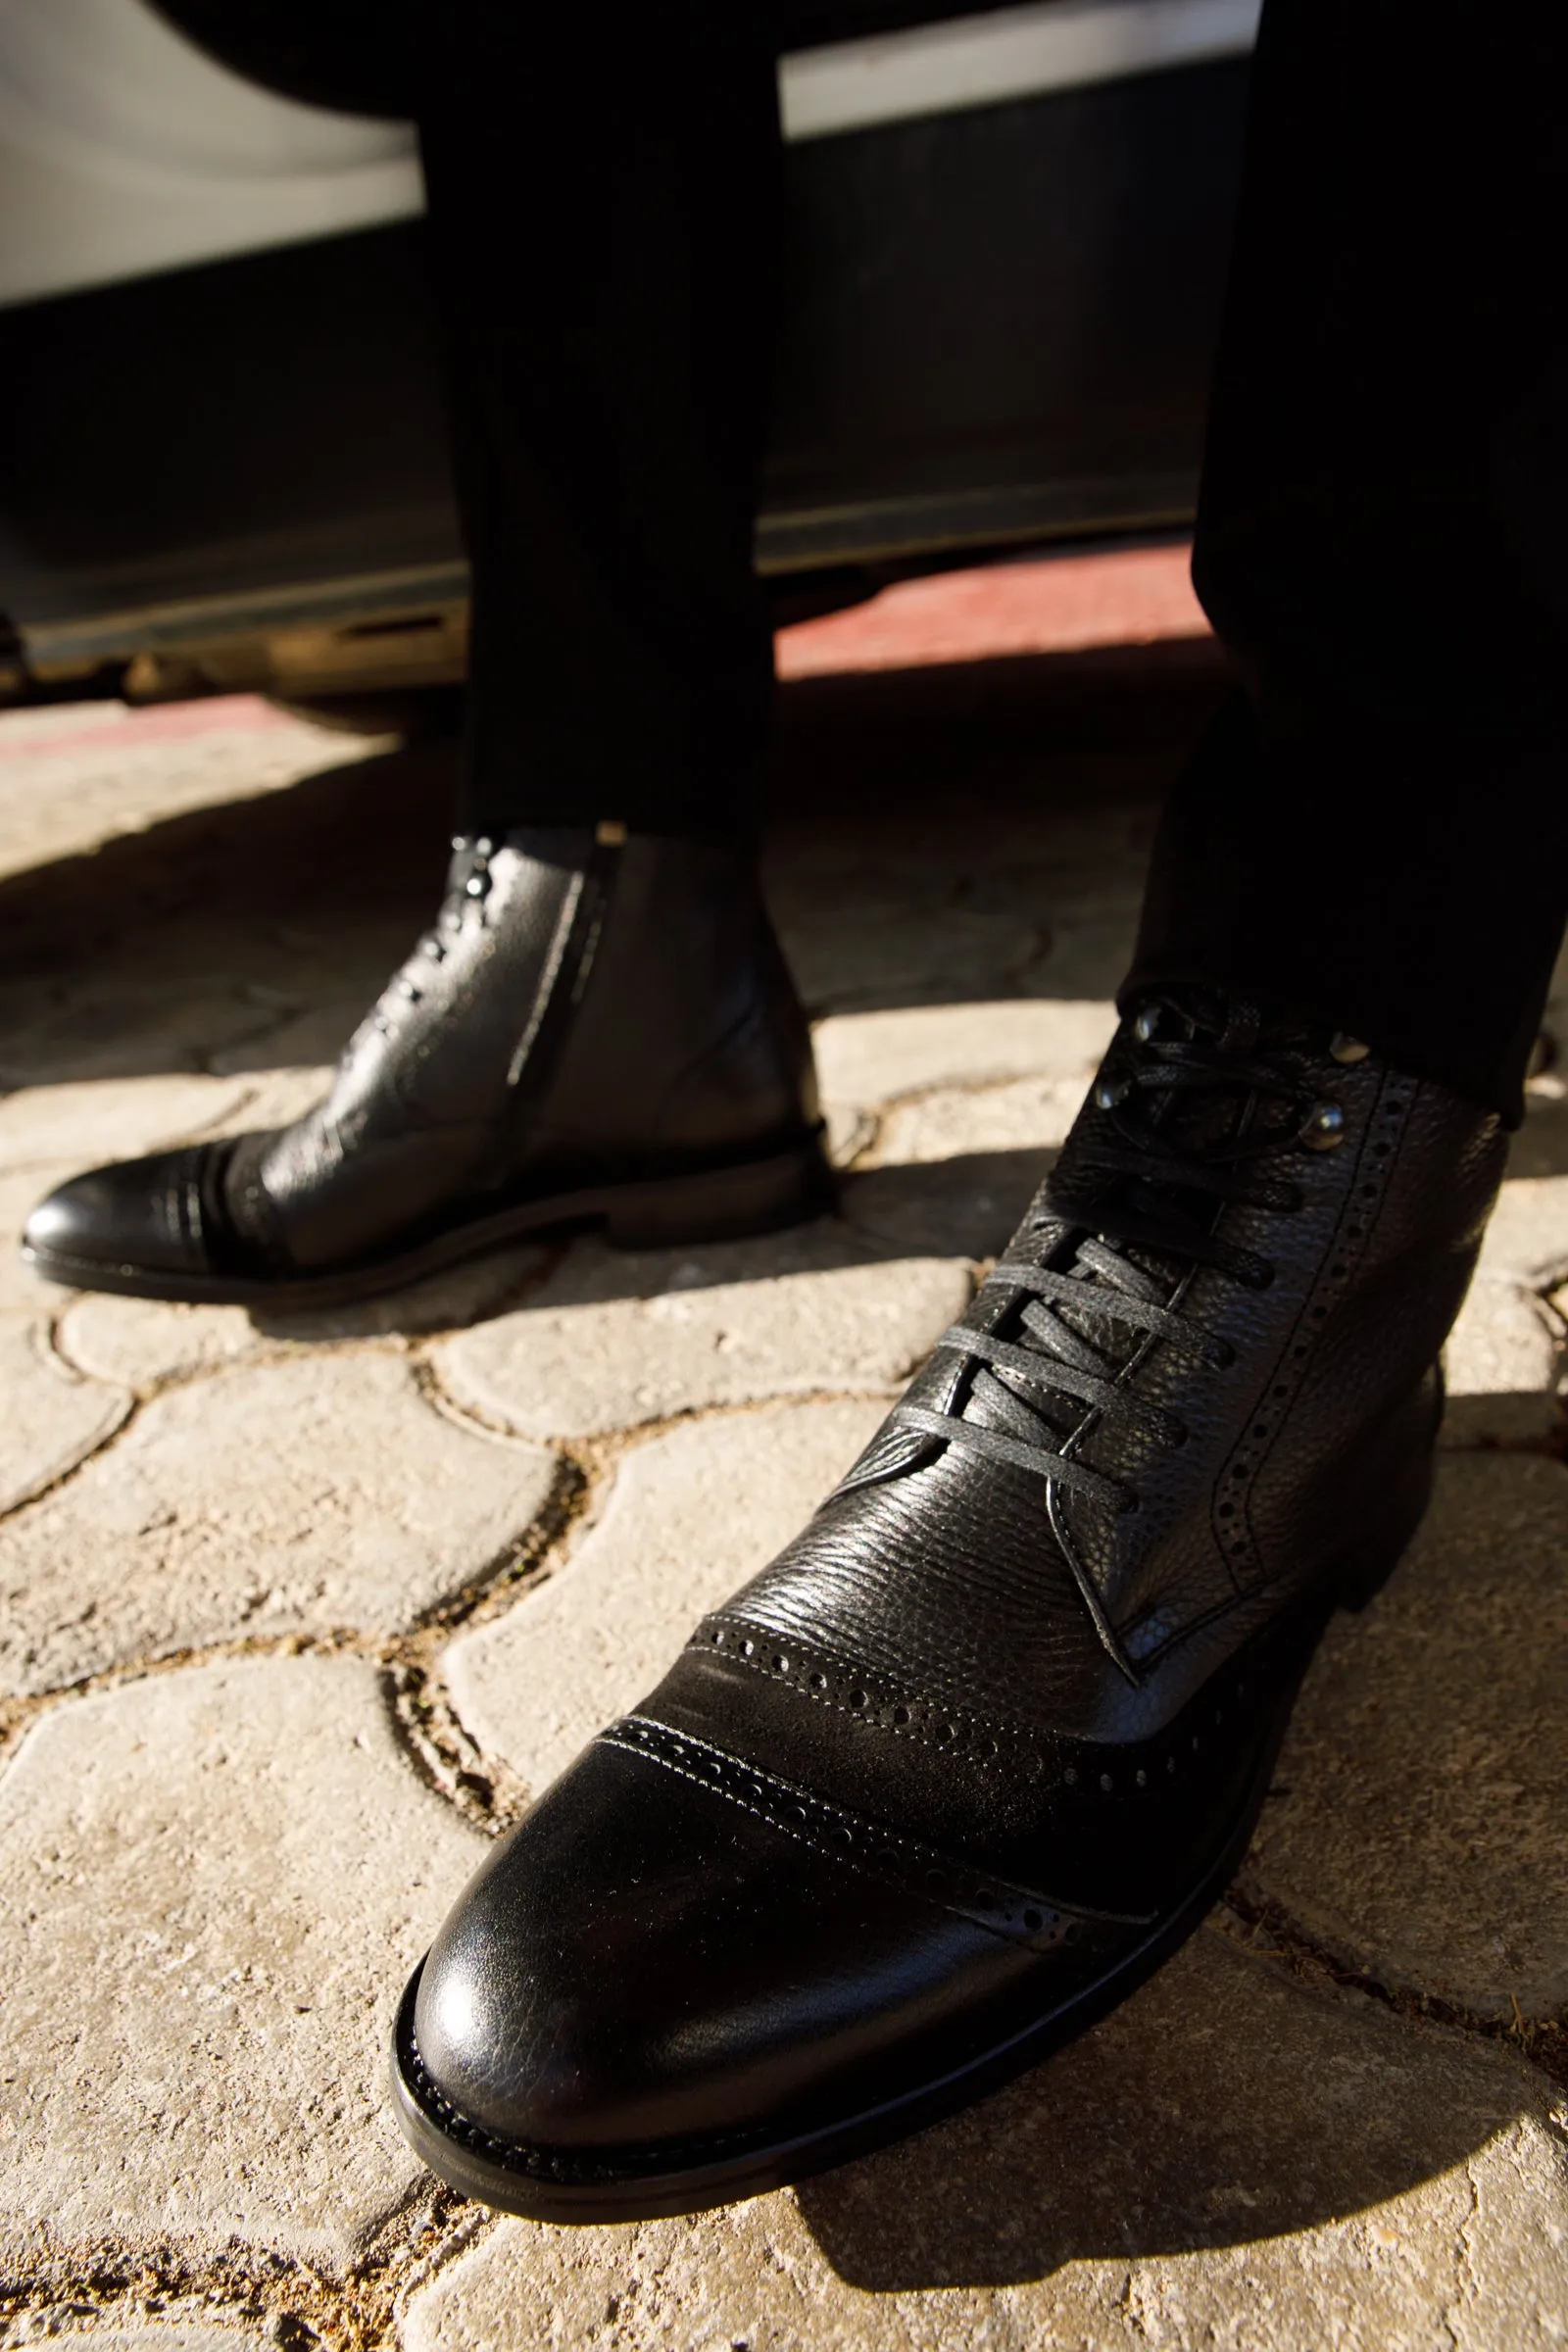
1111	1091
1323	1129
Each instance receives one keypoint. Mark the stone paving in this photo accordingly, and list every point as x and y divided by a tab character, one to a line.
296	1613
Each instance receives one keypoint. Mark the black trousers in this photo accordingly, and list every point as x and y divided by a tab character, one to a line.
1376	833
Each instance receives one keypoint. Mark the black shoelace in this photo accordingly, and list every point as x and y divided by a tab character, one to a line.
1195	1100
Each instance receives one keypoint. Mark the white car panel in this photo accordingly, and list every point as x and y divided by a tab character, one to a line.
1007	53
125	151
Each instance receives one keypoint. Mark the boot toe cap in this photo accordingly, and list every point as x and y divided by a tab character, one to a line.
134	1217
647	1965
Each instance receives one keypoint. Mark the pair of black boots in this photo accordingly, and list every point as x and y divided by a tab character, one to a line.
969	1759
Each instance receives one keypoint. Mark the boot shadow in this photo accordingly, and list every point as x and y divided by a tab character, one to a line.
314	890
965	1206
1224	2104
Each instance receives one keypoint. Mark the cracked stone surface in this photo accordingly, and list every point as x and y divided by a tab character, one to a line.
1231	2160
148	2336
1419	1825
100	1031
966	1205
880	1056
114	1119
50	1417
145	1340
614	1339
219	1881
1503	1366
78	776
1028	1115
1526	1239
273	1097
218	1872
307	1495
690	1516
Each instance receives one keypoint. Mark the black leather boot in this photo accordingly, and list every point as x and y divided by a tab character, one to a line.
976	1752
598	1029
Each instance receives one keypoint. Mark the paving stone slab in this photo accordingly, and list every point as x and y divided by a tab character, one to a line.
1502	1364
93	1028
313	1495
880	943
848	1132
316	1034
877	1056
1540	1148
50	1417
614	1339
965	1206
114	1118
1090	958
78	776
274	1096
1232	2160
145	1340
217	1881
692	1515
1419	1825
1026	1114
1526	1239
51	2326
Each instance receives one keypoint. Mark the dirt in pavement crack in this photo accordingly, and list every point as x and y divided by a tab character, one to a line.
1263	1926
297	2303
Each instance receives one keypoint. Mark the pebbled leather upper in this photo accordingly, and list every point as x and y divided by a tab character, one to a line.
581	1014
1285	1458
977	1702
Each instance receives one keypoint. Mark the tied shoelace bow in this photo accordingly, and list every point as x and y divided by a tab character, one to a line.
1195	1102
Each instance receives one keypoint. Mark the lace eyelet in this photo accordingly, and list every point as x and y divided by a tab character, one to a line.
1323	1129
1177	1433
1129	1502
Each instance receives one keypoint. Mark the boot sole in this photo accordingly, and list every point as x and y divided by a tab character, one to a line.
525	2186
708	1204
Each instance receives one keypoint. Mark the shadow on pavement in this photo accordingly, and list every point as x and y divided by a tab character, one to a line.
935	836
966	1207
1222	2105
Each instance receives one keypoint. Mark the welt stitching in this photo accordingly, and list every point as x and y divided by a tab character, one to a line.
537	2160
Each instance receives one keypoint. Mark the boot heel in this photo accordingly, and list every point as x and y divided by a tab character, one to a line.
724	1204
